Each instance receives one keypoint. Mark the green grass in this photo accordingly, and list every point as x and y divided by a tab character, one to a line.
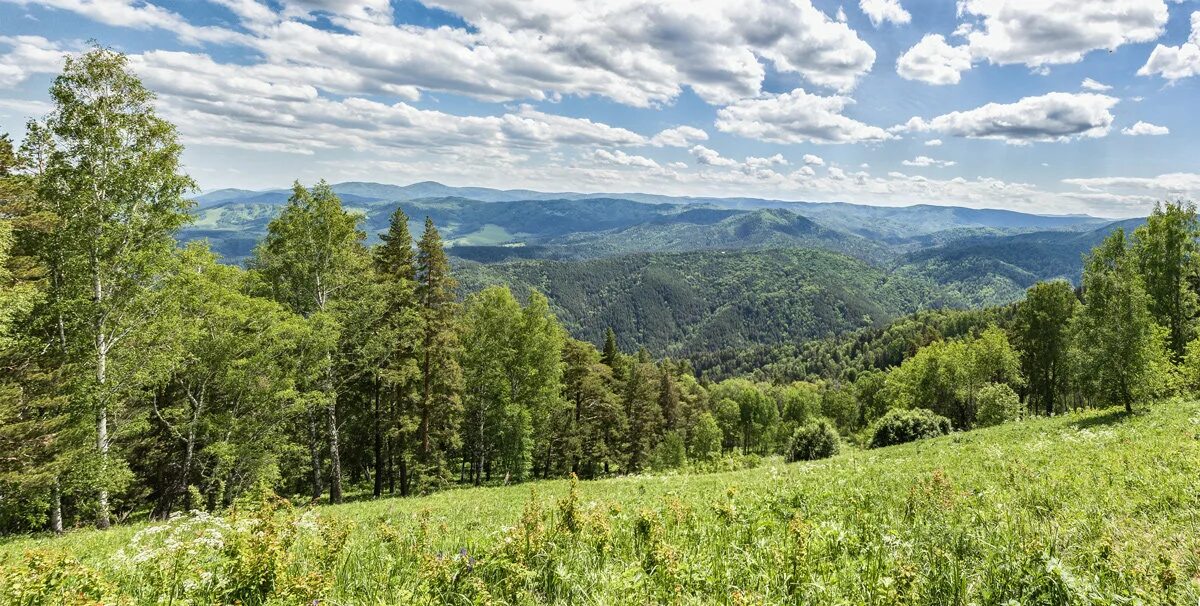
1090	508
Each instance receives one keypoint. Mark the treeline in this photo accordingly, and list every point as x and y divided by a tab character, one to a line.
141	378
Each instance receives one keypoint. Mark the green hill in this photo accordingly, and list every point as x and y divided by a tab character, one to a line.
698	301
1087	508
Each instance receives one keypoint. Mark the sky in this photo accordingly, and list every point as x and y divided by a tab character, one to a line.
1044	106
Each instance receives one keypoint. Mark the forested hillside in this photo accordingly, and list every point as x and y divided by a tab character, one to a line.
694	302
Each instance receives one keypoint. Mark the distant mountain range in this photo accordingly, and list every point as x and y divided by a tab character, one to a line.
686	275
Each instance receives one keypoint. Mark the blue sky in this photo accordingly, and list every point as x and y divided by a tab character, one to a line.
1054	106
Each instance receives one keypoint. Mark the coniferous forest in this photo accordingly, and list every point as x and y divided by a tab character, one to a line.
144	378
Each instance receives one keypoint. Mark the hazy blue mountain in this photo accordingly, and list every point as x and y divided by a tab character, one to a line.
871	221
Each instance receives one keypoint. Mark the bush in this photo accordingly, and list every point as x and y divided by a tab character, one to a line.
670	453
998	403
814	441
901	425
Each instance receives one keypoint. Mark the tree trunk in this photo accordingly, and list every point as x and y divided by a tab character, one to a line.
314	451
56	522
403	475
335	461
378	445
425	406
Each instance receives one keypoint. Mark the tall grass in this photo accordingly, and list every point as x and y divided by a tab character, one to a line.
1095	508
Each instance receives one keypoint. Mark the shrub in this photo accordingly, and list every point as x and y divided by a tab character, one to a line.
814	441
670	453
901	425
998	403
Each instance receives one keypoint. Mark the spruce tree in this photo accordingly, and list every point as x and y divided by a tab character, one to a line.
1043	338
610	348
400	336
441	378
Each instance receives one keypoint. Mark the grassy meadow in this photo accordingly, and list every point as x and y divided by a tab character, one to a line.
1089	508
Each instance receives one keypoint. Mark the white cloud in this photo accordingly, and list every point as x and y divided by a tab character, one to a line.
796	117
933	61
678	165
28	55
1176	62
1145	128
813	160
636	52
882	11
1049	117
710	157
1041	34
680	136
757	162
139	15
933	143
1092	85
1058	31
927	161
621	158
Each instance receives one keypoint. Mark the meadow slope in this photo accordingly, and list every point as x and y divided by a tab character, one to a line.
1089	508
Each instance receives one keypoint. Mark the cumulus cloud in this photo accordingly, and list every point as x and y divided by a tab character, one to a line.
621	158
140	15
1049	117
927	161
933	61
796	117
882	11
1145	128
1041	34
638	52
933	143
813	160
28	55
1176	62
1092	85
680	136
710	157
1058	31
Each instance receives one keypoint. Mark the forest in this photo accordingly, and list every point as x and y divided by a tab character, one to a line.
143	377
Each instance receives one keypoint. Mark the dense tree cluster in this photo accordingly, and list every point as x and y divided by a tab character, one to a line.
141	377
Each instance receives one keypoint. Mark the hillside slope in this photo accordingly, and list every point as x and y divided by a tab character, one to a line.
697	301
1088	508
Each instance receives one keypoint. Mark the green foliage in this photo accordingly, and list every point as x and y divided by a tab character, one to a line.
1167	257
812	441
902	425
704	441
1123	351
670	453
998	403
689	303
1042	330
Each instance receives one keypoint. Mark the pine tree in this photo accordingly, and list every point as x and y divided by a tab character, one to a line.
611	351
441	378
399	335
644	415
1043	337
668	395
